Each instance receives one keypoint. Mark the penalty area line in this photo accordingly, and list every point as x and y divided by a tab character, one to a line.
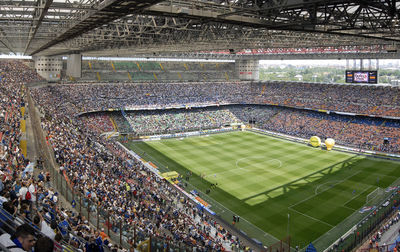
308	216
313	195
358	194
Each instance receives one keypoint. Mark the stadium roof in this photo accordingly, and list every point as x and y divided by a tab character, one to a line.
185	27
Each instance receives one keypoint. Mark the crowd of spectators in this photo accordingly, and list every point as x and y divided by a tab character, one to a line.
359	132
128	71
102	65
168	121
130	193
30	215
375	241
355	131
101	171
121	122
101	97
359	99
99	122
147	205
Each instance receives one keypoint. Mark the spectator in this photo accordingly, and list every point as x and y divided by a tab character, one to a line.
110	180
45	228
22	240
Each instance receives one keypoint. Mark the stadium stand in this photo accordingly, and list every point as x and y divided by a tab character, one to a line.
99	123
153	122
124	71
362	100
356	131
102	174
105	177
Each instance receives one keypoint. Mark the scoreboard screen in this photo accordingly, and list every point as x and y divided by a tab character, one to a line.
361	76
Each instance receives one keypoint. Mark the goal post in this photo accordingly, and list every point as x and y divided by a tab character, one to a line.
374	194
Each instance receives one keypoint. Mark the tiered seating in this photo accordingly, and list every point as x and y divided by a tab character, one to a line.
106	177
152	71
360	132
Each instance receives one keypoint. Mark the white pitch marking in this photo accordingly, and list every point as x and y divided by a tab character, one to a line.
310	217
312	196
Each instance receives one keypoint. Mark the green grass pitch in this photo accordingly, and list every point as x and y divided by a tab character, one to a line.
263	179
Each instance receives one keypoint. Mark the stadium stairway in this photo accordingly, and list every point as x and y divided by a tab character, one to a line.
374	109
8	222
391	235
113	123
64	203
388	238
272	117
35	152
234	118
263	89
32	153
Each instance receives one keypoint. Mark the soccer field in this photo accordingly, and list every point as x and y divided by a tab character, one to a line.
275	186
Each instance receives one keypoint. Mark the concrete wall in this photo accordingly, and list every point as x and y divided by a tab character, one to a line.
49	67
74	66
247	70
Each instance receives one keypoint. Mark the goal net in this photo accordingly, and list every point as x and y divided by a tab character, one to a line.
375	194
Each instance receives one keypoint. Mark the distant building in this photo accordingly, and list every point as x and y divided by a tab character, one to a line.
395	83
299	77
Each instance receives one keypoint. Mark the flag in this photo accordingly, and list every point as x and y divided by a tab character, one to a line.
28	168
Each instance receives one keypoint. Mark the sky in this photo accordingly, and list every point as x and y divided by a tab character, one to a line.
9	56
330	62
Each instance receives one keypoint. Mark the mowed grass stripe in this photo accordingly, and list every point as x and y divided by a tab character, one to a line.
249	186
334	201
262	190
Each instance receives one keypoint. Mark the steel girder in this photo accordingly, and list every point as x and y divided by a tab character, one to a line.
48	27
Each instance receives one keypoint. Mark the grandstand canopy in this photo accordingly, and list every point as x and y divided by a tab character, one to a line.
193	27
